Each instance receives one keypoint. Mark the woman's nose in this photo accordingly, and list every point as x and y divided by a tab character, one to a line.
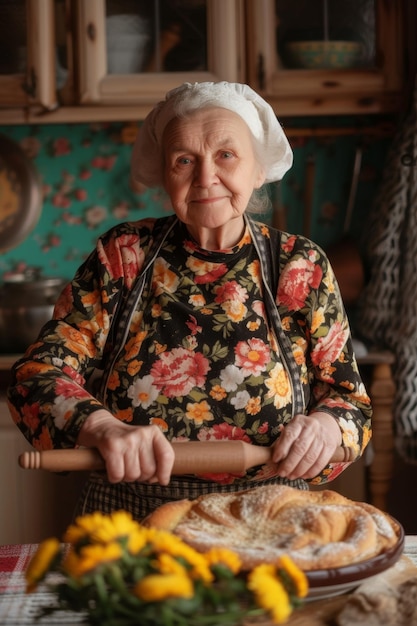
205	173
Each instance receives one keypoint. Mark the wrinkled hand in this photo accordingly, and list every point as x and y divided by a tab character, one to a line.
131	453
306	445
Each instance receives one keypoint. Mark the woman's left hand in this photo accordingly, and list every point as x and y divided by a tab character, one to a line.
306	445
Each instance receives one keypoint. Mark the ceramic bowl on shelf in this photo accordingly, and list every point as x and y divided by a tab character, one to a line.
323	54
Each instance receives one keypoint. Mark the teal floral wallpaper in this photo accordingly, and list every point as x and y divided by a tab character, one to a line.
84	173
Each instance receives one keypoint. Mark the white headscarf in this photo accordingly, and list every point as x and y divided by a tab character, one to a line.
147	156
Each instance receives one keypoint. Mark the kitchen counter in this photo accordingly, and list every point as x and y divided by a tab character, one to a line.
7	360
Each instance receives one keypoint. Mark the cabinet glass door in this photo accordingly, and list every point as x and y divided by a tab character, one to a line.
13	52
325	56
27	54
133	51
157	36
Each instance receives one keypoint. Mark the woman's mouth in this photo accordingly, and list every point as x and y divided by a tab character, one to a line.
207	200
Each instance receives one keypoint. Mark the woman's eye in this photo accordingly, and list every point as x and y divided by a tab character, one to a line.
227	155
184	161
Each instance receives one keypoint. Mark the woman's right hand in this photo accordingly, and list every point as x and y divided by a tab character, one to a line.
131	453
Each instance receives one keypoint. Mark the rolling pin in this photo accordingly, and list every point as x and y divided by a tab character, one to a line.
191	457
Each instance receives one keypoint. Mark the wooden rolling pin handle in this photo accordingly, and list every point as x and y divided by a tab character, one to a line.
62	460
191	457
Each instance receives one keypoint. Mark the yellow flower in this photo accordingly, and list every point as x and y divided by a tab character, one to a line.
163	541
40	562
318	319
100	528
197	300
286	323
163	279
269	592
167	564
117	525
234	310
137	540
156	587
297	575
199	412
91	556
253	406
279	386
83	528
225	557
218	392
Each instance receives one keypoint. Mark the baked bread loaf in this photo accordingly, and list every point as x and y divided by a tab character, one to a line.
317	529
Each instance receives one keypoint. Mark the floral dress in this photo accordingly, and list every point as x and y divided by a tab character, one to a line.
196	353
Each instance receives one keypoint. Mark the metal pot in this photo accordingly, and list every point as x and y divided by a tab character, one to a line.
26	303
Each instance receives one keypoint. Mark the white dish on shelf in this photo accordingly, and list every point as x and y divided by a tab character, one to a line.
127	38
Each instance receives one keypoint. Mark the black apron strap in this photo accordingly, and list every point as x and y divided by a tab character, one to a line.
268	252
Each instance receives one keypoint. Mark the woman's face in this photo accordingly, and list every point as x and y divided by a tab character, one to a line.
210	169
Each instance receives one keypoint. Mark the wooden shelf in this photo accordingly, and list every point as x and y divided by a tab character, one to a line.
7	360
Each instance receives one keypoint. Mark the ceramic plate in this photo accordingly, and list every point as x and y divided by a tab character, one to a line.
333	582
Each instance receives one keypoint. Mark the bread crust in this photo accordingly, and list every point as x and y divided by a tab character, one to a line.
317	529
168	516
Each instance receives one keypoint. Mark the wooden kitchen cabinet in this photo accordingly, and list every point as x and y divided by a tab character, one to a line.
27	59
241	42
374	83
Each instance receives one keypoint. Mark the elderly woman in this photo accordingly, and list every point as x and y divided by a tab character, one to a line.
205	325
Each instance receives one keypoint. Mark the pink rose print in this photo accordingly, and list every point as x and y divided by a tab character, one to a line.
289	245
211	276
252	356
31	414
80	194
259	308
105	163
296	281
193	326
205	272
223	431
328	348
65	302
178	371
65	389
76	377
337	403
231	291
61	200
61	147
123	258
85	174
